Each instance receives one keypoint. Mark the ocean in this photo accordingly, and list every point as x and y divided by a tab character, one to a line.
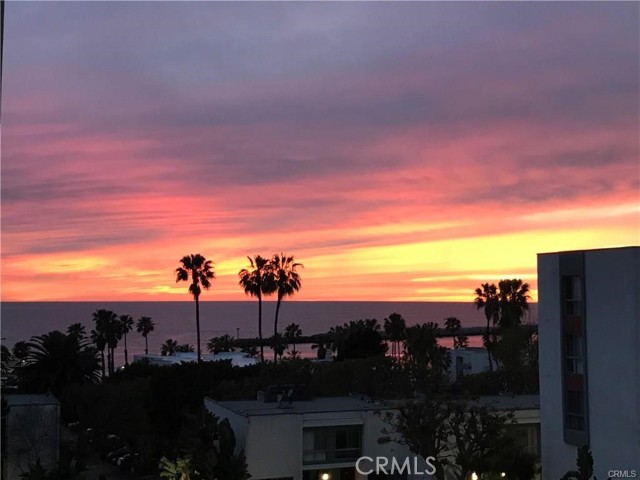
21	320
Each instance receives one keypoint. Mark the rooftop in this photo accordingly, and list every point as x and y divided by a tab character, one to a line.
250	408
14	400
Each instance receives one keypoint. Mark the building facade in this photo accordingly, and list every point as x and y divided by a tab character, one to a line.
589	350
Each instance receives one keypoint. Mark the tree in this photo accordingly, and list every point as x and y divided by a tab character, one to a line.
200	271
453	326
56	360
126	323
292	333
487	299
77	329
513	297
20	351
257	281
145	326
395	327
168	347
287	282
357	339
221	344
7	360
278	346
103	333
422	348
584	462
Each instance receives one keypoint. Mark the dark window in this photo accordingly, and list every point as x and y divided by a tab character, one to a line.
332	444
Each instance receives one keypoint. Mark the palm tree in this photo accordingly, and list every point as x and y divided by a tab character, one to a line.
258	281
126	323
291	334
395	328
513	297
200	270
287	283
487	299
56	360
145	326
105	335
77	329
20	351
169	347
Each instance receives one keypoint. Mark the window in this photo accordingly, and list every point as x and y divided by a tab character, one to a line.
332	444
573	344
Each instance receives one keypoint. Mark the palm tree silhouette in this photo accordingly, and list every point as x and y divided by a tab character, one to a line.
287	282
487	299
169	347
200	270
103	334
258	281
126	323
292	333
56	360
145	326
513	297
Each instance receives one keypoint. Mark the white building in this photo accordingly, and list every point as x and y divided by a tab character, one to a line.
322	439
589	334
467	361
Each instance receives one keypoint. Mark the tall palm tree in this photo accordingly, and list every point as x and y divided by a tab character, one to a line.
145	326
487	299
20	351
56	360
200	270
105	335
77	329
257	281
513	298
126	323
287	283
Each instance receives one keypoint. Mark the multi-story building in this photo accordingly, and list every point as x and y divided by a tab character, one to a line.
589	334
323	438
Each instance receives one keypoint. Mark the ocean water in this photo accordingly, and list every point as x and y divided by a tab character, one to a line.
21	320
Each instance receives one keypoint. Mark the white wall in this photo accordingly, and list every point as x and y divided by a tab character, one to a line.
612	317
613	358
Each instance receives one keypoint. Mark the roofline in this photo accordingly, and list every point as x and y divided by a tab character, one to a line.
602	249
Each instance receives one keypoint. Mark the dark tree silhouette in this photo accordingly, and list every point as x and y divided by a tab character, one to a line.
287	282
199	271
292	334
145	326
395	327
169	347
487	299
257	281
103	335
56	360
220	344
126	323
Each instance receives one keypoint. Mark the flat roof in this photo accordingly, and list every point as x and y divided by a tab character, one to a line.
603	249
316	405
16	399
249	408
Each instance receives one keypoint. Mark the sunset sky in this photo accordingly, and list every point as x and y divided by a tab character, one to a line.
400	151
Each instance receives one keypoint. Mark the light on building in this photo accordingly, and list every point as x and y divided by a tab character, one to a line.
503	474
325	476
474	476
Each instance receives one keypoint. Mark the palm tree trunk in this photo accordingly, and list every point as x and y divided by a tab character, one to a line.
260	327
146	345
275	327
488	346
102	362
126	354
198	327
109	360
